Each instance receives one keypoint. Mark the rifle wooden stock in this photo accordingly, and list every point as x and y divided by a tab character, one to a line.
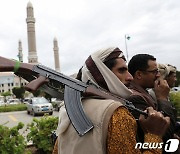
35	84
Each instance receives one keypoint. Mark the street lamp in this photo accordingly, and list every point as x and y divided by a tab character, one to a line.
126	37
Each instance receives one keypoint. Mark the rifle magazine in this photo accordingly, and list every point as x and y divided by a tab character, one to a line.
74	108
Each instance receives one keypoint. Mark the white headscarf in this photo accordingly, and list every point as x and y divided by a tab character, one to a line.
114	84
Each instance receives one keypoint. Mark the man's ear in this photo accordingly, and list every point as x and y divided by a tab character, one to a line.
138	74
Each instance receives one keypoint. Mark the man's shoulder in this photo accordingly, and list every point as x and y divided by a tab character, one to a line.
143	98
100	104
98	99
136	96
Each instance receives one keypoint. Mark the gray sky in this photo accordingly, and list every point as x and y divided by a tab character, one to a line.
84	26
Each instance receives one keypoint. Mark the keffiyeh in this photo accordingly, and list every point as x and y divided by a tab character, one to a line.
171	68
98	73
163	69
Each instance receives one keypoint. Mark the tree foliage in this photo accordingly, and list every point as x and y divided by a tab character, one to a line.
11	141
37	93
175	99
7	93
41	133
178	79
18	92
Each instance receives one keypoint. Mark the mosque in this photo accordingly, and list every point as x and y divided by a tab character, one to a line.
7	79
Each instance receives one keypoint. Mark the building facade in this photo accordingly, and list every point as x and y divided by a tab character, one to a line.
8	81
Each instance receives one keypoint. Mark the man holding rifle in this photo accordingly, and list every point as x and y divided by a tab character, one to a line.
114	127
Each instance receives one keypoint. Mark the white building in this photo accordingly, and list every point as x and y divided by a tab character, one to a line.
8	81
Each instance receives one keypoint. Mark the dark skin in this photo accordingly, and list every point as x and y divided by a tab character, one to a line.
151	79
121	71
171	80
154	118
155	123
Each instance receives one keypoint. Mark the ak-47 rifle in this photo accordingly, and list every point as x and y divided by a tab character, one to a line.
51	81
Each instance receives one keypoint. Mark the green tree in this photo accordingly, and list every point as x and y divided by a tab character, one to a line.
5	94
175	99
178	78
11	141
37	93
41	133
18	92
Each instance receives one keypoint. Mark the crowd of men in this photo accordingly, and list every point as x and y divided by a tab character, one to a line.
143	82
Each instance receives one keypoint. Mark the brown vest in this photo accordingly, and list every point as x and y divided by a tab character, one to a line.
94	142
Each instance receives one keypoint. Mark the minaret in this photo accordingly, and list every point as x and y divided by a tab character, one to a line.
56	55
20	54
32	54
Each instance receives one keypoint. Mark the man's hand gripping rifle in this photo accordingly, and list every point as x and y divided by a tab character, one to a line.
50	81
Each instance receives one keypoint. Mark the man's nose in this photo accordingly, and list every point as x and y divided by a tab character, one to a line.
130	77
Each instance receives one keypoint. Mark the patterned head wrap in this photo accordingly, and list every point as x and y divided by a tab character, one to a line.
171	68
163	69
98	73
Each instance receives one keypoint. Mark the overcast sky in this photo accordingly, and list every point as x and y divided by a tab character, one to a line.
84	26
